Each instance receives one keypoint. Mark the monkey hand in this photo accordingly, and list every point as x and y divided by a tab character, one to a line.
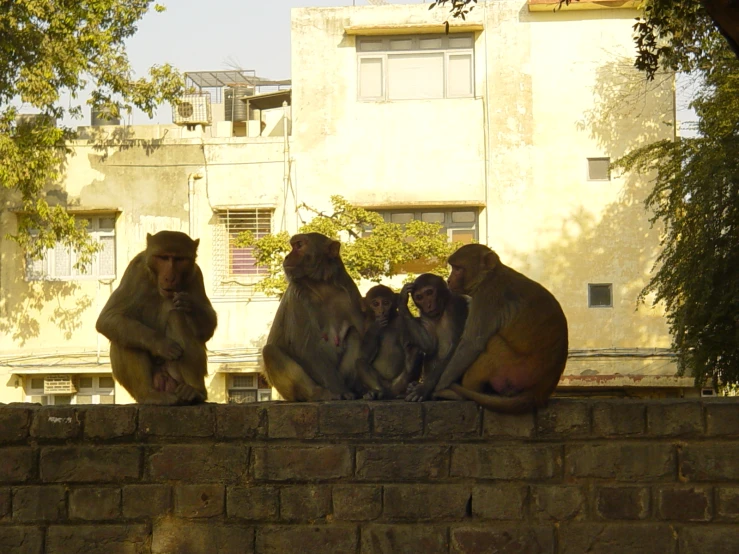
166	349
405	292
187	394
182	302
418	392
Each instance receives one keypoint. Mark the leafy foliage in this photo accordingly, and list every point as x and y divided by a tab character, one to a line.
48	47
375	255
696	196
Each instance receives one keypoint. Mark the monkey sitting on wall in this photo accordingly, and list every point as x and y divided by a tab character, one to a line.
158	321
514	346
386	348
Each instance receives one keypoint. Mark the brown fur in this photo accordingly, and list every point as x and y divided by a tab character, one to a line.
158	321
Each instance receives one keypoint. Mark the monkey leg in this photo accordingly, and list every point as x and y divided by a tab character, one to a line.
134	370
291	380
190	369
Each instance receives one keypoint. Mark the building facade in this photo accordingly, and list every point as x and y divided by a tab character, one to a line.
502	130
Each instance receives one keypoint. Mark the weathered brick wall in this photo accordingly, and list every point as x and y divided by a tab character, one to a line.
582	476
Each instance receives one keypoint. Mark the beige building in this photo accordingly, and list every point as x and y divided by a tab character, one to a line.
502	130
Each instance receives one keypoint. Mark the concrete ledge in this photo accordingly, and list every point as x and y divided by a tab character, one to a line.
582	475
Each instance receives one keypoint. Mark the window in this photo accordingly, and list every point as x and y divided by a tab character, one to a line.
599	169
63	390
600	295
235	265
248	387
58	262
415	67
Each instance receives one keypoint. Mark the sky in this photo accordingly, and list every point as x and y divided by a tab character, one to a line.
197	35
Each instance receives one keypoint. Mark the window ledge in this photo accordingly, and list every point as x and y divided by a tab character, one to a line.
411	28
549	5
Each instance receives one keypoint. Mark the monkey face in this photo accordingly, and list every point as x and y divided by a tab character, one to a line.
456	279
171	271
427	300
381	306
297	258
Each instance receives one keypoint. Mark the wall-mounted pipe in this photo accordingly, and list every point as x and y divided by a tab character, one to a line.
191	201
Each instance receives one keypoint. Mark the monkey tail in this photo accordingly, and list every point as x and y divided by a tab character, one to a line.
519	404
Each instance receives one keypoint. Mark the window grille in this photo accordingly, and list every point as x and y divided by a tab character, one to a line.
248	387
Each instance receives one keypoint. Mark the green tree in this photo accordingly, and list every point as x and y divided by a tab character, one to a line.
373	255
48	47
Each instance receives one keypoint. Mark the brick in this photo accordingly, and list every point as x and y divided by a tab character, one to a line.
344	419
283	463
727	500
711	539
392	539
14	424
182	536
616	538
17	464
564	418
257	503
97	503
199	500
292	420
177	421
306	539
507	462
194	463
710	462
675	418
506	426
5	503
398	419
21	540
242	421
558	503
419	503
97	539
722	418
453	420
48	503
110	422
499	539
402	462
500	501
619	418
146	501
357	502
56	423
87	464
305	502
622	502
621	461
684	503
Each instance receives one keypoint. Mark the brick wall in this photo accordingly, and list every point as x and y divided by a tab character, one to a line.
620	476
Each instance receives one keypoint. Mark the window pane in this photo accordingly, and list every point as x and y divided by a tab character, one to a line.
37	383
430	43
401	218
244	381
106	256
84	399
433	217
459	77
241	396
107	399
62	261
463	217
262	381
460	42
107	223
106	382
599	169
401	44
62	400
85	382
43	400
34	268
600	295
370	45
370	78
463	236
265	396
415	76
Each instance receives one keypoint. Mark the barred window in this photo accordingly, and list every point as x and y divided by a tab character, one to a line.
58	263
248	387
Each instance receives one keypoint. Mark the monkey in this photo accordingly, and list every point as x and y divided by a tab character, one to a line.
514	346
299	358
158	321
438	330
386	348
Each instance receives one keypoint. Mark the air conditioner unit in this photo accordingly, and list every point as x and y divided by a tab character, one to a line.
192	109
59	384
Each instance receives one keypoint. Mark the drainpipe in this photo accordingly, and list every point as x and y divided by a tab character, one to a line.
285	164
191	201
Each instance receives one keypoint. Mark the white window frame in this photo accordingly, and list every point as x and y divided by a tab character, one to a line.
96	391
590	291
45	268
263	394
447	227
385	52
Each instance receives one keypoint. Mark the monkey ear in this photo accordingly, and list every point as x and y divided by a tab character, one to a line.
490	260
195	243
334	248
148	238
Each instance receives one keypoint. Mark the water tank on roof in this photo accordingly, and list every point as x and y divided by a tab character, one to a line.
235	107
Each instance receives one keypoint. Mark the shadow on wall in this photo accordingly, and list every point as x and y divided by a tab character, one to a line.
119	139
616	237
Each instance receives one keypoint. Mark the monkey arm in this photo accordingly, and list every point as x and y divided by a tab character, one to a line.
419	335
126	331
203	311
371	342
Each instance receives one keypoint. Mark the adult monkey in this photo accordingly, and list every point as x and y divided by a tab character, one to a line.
158	321
303	358
437	332
386	346
514	347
